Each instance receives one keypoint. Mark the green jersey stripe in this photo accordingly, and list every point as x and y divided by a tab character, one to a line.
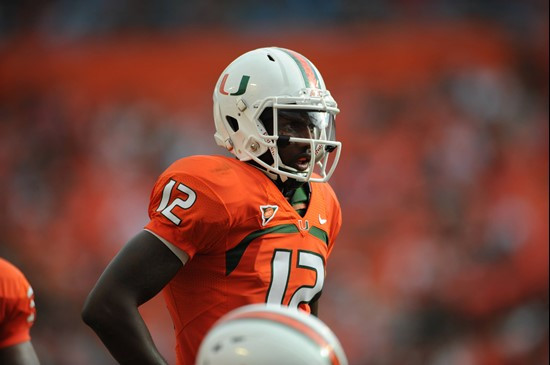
233	256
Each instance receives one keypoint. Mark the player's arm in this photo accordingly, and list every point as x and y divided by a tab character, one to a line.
20	354
314	306
136	274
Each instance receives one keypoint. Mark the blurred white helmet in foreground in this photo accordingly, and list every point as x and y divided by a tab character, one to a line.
261	334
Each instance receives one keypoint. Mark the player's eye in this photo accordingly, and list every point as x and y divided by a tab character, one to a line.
295	128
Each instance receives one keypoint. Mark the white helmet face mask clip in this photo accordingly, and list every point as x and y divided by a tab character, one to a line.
288	84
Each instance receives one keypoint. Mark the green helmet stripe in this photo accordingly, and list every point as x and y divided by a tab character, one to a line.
309	74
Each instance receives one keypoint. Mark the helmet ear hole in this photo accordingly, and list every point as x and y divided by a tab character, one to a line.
233	123
267	119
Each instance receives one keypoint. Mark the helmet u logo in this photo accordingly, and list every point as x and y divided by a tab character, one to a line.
242	86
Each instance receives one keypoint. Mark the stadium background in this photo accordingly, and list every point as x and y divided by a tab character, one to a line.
443	256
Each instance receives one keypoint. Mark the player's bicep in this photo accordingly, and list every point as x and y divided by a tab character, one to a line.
139	271
314	306
182	255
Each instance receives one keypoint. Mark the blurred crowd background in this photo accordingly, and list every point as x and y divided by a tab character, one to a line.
443	181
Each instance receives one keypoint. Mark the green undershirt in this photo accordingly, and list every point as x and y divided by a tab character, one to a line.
301	199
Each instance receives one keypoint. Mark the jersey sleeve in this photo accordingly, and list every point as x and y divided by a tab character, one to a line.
186	212
17	309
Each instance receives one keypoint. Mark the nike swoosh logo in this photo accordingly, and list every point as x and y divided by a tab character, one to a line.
321	220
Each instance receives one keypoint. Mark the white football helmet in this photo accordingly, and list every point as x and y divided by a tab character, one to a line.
260	334
280	79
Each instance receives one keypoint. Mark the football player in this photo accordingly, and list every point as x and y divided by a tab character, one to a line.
226	232
17	314
260	334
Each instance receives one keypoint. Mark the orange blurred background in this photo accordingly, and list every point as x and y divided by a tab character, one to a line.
443	181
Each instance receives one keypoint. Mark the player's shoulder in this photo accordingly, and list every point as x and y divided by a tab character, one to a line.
213	175
326	189
9	270
207	167
11	278
198	161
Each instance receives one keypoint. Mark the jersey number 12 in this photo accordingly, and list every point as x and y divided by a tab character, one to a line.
281	272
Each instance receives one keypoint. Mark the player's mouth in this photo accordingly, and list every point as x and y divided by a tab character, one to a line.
301	163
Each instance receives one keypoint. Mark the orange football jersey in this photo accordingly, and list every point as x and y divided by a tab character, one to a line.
17	310
245	242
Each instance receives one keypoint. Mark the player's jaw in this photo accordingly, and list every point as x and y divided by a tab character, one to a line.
301	161
296	156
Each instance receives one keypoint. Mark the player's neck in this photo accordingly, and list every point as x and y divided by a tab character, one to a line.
287	186
297	193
